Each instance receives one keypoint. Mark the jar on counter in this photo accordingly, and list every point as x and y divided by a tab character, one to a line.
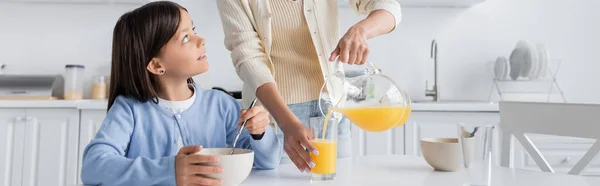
99	87
73	82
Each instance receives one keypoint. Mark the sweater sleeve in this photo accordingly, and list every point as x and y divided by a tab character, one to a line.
247	50
104	160
367	6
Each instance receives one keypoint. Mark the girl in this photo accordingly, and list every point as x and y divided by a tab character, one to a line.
155	109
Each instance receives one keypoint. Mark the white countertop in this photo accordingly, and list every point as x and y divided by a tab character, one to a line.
101	105
469	106
38	104
409	170
75	104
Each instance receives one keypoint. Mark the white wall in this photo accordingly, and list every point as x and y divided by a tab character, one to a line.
469	40
42	38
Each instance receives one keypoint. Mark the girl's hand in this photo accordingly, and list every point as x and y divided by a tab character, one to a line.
189	168
258	120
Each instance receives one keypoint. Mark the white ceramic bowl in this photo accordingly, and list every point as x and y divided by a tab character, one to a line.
236	167
443	154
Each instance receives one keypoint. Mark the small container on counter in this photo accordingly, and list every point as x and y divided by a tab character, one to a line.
99	87
73	82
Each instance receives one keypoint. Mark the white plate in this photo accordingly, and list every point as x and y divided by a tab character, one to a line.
506	69
543	60
535	63
501	68
516	61
526	58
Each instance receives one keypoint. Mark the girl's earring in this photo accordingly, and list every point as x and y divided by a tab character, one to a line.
162	71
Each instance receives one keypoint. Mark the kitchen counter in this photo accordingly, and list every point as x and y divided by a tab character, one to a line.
38	104
409	170
455	106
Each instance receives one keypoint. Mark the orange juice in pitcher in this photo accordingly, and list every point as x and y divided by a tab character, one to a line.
371	101
376	118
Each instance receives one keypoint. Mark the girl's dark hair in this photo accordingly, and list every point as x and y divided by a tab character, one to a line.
138	37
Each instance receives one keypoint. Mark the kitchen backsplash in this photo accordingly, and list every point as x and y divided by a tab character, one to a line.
43	38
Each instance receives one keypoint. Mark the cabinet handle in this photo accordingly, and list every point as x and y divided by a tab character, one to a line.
19	118
28	118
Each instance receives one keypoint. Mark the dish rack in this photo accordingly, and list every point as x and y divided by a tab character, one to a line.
543	89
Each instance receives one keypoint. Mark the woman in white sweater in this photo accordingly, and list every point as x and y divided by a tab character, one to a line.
283	50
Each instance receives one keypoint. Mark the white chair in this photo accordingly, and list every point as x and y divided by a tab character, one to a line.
559	119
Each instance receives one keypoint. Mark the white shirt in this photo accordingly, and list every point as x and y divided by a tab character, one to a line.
177	107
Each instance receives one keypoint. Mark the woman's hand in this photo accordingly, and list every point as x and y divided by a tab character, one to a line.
352	48
297	136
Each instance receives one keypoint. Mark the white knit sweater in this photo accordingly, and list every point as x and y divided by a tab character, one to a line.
248	35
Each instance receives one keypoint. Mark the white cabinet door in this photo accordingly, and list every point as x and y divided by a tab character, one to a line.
91	120
51	147
377	143
12	130
441	125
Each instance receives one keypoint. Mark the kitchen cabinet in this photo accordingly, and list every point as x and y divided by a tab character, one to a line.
405	139
39	146
441	125
377	143
91	120
50	155
12	138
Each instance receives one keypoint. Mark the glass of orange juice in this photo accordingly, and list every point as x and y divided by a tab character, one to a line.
324	137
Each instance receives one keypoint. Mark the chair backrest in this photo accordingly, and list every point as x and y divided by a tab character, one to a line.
560	119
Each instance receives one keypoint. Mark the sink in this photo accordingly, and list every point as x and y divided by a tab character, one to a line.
453	101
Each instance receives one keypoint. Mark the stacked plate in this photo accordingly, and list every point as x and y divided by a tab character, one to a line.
526	62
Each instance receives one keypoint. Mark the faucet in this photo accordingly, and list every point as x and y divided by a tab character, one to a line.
435	92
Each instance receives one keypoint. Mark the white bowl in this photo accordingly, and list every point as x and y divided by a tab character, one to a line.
443	154
236	167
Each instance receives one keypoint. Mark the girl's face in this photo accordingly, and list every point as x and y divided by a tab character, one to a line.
184	55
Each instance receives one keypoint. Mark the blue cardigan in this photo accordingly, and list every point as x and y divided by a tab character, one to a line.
137	142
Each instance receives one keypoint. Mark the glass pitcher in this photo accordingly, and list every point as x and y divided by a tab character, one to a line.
372	101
